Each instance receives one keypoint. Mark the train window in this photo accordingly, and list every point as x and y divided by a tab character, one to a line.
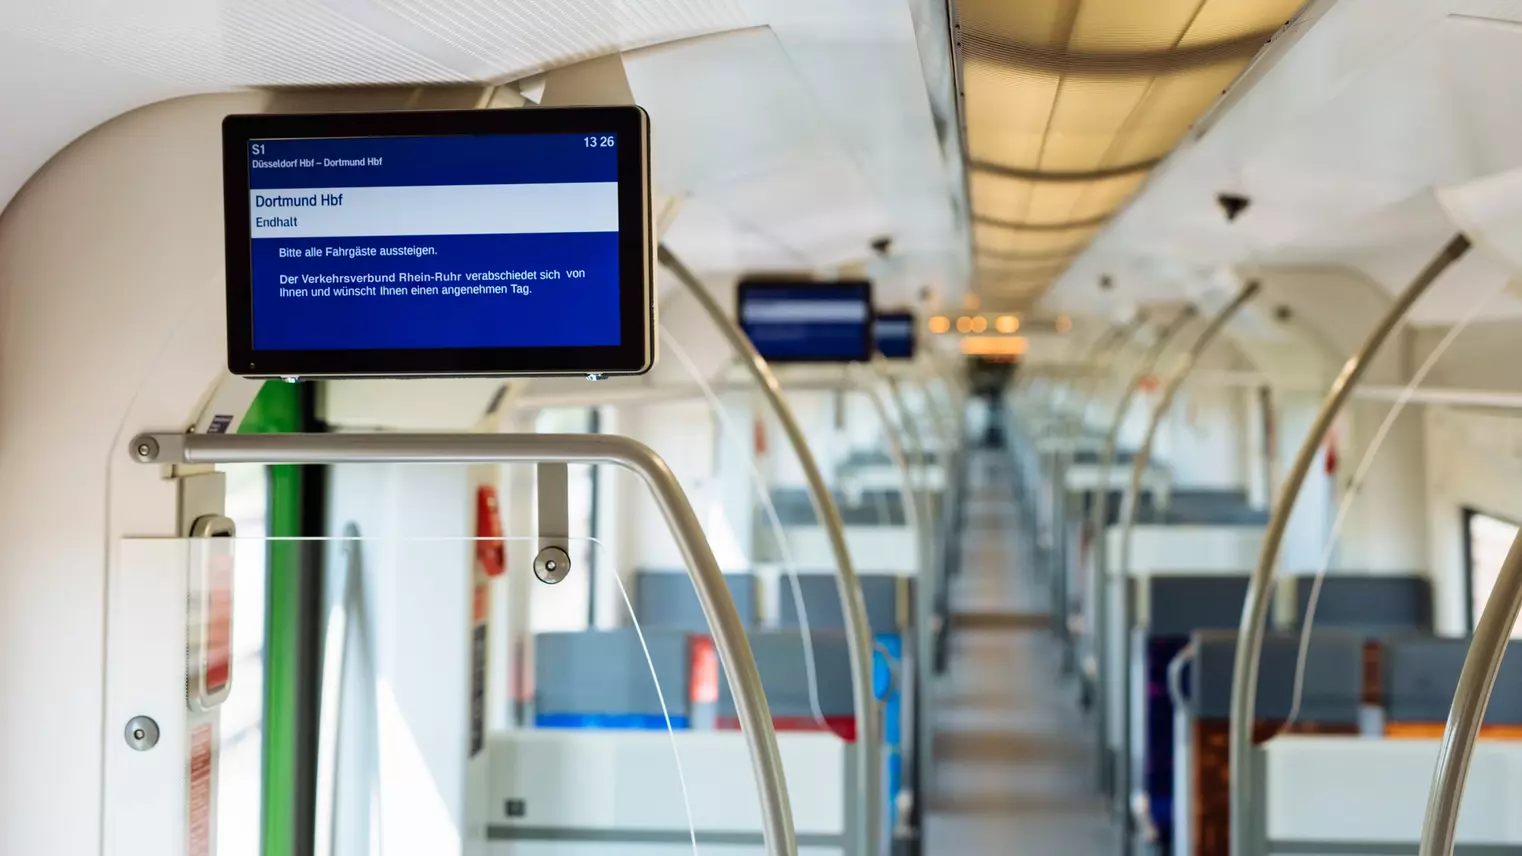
1486	540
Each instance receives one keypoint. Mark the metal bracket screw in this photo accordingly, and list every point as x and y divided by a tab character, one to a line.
146	449
142	733
552	565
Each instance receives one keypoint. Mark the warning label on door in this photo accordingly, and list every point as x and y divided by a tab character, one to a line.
202	762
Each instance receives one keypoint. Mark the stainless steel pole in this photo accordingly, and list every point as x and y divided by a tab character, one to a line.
1114	337
928	595
858	631
713	593
910	742
1099	508
1128	505
1476	682
1100	357
1244	678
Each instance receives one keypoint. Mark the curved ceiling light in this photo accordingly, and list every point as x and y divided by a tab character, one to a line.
1070	104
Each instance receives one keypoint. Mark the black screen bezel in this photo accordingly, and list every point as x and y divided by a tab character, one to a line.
634	355
869	339
914	338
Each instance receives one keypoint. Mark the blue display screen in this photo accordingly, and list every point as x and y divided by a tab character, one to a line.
480	241
808	322
895	335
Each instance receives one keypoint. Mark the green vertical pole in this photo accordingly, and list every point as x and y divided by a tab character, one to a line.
277	409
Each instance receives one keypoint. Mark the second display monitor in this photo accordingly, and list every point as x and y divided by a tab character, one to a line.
801	321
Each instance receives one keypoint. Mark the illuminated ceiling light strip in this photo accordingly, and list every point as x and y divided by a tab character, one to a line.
994	345
989	47
1063	176
1020	277
1030	268
1064	255
1069	226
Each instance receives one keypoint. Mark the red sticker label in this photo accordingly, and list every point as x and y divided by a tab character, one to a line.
219	623
704	667
202	763
490	550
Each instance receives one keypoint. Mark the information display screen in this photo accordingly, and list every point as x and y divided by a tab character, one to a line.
895	335
501	242
814	322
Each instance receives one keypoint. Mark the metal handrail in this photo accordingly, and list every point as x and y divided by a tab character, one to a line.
858	630
1103	354
707	578
927	595
1132	498
1477	680
921	650
1099	508
1244	677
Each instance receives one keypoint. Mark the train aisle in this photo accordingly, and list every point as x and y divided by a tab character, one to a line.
1016	766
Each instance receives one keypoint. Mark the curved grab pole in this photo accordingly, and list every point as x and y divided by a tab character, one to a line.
1476	682
901	451
1244	676
1130	500
909	736
1099	507
914	452
707	578
1099	357
942	421
927	597
859	633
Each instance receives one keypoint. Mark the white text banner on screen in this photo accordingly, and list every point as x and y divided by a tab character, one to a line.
805	311
469	209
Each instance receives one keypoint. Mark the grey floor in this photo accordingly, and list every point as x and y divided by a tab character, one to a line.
1015	767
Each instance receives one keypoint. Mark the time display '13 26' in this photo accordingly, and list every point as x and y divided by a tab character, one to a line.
593	141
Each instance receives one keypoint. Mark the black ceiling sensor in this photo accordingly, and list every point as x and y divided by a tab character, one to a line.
1106	283
1283	313
882	245
1232	204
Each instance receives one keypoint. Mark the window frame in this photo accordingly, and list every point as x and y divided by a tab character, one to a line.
1467	515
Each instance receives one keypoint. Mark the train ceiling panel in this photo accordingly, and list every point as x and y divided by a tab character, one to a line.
807	122
1353	120
309	42
780	144
1070	103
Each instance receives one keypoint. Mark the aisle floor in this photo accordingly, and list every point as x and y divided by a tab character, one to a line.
1015	767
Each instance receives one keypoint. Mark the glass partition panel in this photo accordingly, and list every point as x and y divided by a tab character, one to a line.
772	572
438	715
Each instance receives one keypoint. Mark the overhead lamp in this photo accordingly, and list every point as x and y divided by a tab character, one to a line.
964	324
940	324
979	324
988	346
1063	324
1070	104
1007	324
